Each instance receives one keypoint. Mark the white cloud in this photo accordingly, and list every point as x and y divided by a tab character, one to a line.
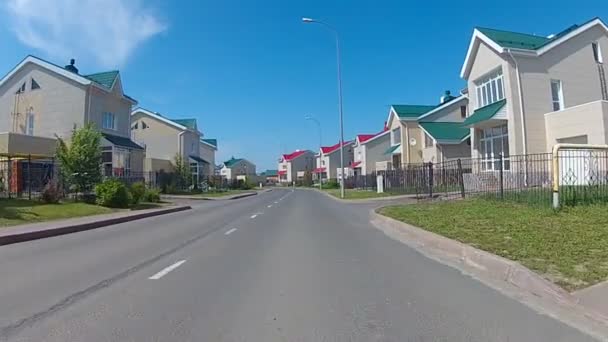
106	30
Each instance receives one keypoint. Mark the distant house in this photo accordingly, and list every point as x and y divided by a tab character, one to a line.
235	167
40	100
293	166
328	161
165	138
270	176
369	149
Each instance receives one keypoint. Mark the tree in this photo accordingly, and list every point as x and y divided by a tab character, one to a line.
182	171
81	158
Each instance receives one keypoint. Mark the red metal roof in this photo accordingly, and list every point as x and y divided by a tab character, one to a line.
282	172
293	155
319	170
354	165
330	149
365	137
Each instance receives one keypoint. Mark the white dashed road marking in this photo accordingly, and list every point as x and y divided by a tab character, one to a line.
165	271
230	231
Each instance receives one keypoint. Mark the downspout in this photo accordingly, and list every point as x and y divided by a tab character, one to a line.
179	143
524	139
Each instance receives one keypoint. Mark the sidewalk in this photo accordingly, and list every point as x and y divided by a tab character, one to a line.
40	230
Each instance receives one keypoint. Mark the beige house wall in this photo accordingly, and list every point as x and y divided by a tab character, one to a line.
190	143
455	151
451	113
160	139
208	154
112	102
151	164
57	106
589	120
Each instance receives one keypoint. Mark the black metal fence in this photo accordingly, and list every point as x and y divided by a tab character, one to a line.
582	178
26	176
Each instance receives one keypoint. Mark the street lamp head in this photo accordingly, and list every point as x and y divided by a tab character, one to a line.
308	20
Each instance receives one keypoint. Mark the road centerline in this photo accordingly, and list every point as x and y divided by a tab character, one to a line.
230	231
166	270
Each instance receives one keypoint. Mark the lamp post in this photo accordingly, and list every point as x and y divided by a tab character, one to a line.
310	21
311	118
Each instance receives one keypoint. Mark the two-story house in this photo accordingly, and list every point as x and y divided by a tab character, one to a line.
207	150
530	92
236	168
328	161
166	138
427	133
369	149
40	101
293	166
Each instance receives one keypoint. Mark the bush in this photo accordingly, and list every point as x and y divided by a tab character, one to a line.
51	193
137	191
332	184
112	193
152	195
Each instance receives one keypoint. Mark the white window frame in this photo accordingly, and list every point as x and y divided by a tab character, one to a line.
396	133
560	95
489	137
29	123
108	120
597	52
490	88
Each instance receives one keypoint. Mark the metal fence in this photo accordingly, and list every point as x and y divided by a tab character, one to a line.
582	178
26	176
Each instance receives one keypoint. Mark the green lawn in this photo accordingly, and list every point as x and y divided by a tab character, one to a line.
224	193
568	247
358	194
14	212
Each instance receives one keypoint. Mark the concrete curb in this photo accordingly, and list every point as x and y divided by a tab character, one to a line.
202	198
79	227
493	265
363	200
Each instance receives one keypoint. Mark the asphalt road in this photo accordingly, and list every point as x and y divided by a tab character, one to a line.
280	266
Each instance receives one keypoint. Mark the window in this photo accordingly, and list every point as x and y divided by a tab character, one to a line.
34	85
597	52
21	89
494	143
108	121
136	126
557	95
396	136
463	111
489	89
428	140
143	125
121	162
29	123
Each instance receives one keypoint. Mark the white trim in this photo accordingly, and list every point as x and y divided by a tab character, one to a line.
346	143
572	34
391	112
474	44
158	117
208	144
376	137
443	106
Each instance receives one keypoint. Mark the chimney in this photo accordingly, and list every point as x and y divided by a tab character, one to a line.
446	97
71	67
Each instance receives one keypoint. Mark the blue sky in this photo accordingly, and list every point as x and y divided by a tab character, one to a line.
250	70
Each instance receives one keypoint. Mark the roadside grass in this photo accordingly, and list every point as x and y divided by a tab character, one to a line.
568	247
358	194
16	211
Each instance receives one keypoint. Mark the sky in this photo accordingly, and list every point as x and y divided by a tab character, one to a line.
250	71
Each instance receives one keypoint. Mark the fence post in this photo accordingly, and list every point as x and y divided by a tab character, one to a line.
431	179
29	177
500	173
460	177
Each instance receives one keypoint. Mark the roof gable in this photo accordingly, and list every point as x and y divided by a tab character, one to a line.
334	148
210	142
189	123
158	117
106	79
294	155
232	162
411	111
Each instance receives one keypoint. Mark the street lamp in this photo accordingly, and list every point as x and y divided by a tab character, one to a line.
310	21
311	118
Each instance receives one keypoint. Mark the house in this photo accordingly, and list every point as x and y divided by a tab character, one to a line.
328	161
529	92
235	167
270	176
293	166
368	150
40	101
165	139
427	133
207	149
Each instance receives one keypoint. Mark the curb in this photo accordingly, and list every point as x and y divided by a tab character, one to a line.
492	265
363	200
79	227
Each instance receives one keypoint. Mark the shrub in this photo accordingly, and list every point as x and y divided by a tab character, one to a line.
137	191
51	193
332	184
112	193
152	195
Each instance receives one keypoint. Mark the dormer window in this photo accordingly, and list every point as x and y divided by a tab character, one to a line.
34	85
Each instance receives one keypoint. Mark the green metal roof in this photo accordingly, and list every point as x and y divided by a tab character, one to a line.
189	123
210	141
446	130
392	149
271	173
484	113
516	40
232	161
105	79
411	111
